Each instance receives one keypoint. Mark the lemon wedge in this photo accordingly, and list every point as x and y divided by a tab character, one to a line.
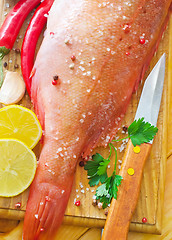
17	167
20	123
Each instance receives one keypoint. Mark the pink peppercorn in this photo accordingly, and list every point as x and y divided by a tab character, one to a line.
73	58
41	229
18	205
144	220
127	53
54	82
78	203
47	199
142	40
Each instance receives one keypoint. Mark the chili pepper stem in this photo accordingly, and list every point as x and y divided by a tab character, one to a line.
1	72
3	51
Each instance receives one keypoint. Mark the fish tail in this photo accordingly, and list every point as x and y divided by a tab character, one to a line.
45	210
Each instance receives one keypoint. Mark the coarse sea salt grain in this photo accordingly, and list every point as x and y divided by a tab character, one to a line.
81	68
121	148
94	197
59	149
36	216
107	138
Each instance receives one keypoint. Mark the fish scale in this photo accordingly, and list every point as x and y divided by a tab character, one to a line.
93	93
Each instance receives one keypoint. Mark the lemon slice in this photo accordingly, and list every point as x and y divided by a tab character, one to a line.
17	167
20	123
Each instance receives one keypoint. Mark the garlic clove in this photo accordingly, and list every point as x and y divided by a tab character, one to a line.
13	88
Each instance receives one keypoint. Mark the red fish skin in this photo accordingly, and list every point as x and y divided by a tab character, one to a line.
86	106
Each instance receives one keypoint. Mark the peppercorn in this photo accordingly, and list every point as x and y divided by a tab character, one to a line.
5	64
54	82
142	40
144	220
81	163
17	50
73	58
55	77
18	205
125	128
16	66
77	203
106	211
94	202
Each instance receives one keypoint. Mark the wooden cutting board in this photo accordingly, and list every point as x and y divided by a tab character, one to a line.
152	189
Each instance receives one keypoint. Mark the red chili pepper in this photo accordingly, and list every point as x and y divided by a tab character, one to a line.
30	40
12	24
11	27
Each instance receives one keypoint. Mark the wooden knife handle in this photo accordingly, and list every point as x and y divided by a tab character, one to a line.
122	209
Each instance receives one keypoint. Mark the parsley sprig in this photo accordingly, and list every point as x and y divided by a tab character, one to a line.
97	169
139	132
108	190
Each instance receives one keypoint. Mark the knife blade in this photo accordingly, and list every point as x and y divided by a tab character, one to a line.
150	99
122	209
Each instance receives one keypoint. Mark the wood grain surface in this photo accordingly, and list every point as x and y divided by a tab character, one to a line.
152	189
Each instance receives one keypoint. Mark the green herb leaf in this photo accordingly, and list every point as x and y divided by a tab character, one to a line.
103	167
108	190
101	190
116	183
96	179
97	169
118	180
97	158
141	132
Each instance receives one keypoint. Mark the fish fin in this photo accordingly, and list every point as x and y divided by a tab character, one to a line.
45	210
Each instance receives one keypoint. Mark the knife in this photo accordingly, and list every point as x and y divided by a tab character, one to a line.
122	209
